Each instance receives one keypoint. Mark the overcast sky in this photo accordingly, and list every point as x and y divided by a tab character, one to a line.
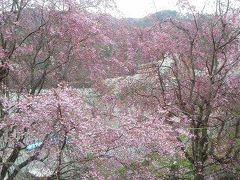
140	8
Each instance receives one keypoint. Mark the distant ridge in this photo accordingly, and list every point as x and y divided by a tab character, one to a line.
159	16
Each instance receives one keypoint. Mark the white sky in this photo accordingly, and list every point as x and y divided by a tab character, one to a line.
140	8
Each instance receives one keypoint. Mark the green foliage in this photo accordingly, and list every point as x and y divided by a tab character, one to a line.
122	170
145	163
164	167
238	142
90	156
188	175
184	138
184	163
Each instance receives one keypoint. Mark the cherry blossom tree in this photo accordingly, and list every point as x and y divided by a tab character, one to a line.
169	91
193	62
42	44
38	40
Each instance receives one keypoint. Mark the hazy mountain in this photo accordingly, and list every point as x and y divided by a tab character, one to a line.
159	16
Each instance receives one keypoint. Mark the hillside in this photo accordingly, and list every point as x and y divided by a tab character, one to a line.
160	16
